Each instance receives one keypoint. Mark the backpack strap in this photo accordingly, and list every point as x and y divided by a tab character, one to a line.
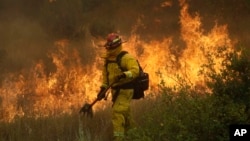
119	59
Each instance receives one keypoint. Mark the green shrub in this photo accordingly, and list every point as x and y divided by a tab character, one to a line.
232	84
188	116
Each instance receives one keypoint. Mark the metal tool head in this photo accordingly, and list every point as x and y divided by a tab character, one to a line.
87	110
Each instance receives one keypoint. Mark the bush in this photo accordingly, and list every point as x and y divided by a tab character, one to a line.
183	116
232	84
188	116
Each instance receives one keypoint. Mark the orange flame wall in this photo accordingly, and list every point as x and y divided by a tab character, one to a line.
34	93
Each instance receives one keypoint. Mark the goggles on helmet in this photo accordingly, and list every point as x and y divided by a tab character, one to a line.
113	41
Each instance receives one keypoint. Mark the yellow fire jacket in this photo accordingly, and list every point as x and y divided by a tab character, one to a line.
112	70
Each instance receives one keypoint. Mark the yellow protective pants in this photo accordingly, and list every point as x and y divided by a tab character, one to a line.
121	113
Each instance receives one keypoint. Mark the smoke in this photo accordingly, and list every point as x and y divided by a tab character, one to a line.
28	32
25	42
236	14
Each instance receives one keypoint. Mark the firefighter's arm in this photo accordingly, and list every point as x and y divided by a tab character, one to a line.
104	78
131	64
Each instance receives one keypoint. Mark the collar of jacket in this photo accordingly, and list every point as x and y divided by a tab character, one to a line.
112	54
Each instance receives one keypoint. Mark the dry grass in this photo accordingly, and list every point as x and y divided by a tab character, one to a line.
66	127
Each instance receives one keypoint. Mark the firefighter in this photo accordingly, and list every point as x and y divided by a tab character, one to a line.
121	112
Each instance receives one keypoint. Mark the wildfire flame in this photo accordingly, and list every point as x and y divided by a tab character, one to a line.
32	92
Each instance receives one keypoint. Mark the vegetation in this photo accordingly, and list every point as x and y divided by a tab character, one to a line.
192	116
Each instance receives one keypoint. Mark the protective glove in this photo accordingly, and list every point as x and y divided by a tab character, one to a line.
101	94
120	76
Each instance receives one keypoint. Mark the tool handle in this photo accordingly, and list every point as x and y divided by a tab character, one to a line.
106	97
93	103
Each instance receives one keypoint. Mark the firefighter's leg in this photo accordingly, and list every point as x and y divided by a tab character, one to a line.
121	110
129	122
